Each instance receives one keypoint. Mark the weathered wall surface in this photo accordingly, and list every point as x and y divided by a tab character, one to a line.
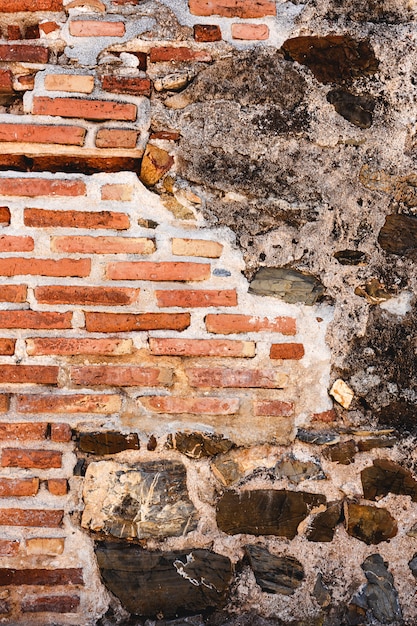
207	312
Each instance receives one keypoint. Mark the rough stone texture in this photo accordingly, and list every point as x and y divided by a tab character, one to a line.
369	523
323	525
385	477
274	574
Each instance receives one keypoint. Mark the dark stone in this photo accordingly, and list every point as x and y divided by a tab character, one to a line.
296	471
107	442
378	600
399	235
355	109
376	11
364	445
148	223
275	574
369	523
333	58
400	414
265	511
318	437
385	477
323	525
321	592
350	257
168	584
343	452
290	285
199	445
413	565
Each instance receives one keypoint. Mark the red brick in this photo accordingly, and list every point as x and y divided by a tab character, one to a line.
38	459
116	138
191	298
10	243
42	218
9	547
56	576
77	403
87	109
202	347
197	406
4	216
32	187
15	266
273	407
61	433
22	431
7	346
103	245
14	32
108	296
72	347
135	86
167	135
6	81
18	487
23	53
228	324
181	53
124	322
221	377
96	28
325	416
37	133
293	351
48	27
29	517
250	32
165	271
35	319
245	9
51	604
121	376
26	82
58	486
4	403
13	293
207	32
28	374
32	32
14	6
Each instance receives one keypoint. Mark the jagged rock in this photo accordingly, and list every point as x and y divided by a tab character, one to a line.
369	523
342	393
296	471
413	564
385	477
155	163
199	445
318	437
373	291
399	235
240	463
137	501
355	109
275	574
321	592
265	511
323	524
107	442
350	257
376	442
290	285
343	452
164	583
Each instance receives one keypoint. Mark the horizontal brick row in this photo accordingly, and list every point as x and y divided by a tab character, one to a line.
50	518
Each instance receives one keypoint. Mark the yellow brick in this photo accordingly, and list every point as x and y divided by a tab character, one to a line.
197	247
47	546
122	193
69	82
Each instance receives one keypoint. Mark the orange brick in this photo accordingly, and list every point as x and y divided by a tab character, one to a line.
119	193
18	487
13	293
4	216
32	187
51	604
207	32
37	459
221	377
181	53
121	376
44	267
48	27
71	347
325	416
42	218
4	403
58	486
197	247
273	408
165	271
228	324
167	135
9	547
23	53
6	81
22	431
135	86
293	351
103	245
29	517
7	346
202	347
245	9
196	406
61	433
116	138
191	298
95	28
10	243
87	109
77	403
69	82
14	32
251	32
108	296
124	322
37	133
14	6
22	374
35	319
